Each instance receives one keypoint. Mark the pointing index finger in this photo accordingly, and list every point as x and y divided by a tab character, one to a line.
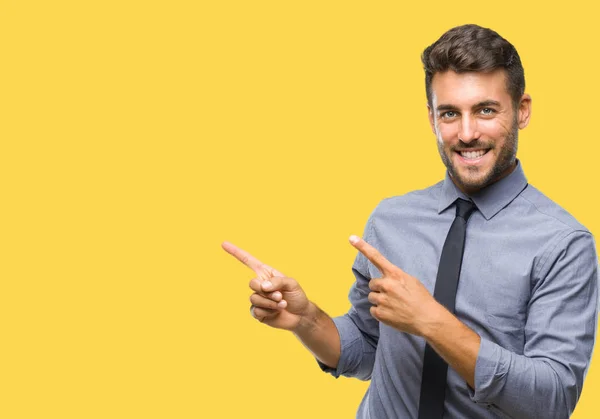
380	262
264	271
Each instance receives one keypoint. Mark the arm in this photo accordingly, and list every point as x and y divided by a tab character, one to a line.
358	330
454	341
343	345
547	379
318	333
281	303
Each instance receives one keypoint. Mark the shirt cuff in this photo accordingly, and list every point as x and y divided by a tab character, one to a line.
351	347
491	369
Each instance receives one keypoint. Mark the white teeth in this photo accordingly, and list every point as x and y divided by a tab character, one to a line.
472	154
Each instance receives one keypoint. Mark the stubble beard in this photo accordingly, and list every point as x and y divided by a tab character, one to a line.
506	159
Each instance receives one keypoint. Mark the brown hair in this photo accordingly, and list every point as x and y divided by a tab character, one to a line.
473	48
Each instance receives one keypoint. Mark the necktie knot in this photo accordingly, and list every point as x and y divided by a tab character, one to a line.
464	209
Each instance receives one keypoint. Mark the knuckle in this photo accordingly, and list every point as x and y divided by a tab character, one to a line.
397	274
275	296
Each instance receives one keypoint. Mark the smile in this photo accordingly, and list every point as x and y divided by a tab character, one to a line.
472	155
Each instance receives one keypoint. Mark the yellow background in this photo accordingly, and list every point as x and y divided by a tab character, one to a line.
136	136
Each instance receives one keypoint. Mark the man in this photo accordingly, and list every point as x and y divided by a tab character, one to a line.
514	337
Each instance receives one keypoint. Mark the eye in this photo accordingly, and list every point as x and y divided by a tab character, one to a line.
448	114
488	111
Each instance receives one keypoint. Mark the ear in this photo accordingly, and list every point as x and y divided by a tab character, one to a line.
431	118
524	111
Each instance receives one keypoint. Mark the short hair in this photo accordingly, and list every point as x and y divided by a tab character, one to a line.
473	48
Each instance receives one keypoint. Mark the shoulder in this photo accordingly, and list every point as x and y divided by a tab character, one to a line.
550	212
417	200
566	240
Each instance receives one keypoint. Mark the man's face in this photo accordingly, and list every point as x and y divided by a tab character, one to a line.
476	126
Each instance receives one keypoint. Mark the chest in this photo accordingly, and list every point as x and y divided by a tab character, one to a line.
497	268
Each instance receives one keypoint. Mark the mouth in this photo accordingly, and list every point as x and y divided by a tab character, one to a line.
472	156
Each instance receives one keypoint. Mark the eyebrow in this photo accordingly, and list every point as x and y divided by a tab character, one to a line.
483	104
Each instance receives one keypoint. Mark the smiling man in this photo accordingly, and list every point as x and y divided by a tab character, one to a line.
474	298
483	122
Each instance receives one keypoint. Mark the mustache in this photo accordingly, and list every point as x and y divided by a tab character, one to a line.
472	145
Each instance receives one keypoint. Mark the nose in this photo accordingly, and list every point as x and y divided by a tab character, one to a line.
468	129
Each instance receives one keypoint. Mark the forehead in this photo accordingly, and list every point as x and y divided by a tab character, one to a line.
469	88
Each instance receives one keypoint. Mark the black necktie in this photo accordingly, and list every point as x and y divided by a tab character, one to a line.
433	384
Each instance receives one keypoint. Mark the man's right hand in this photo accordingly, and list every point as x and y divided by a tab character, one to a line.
277	301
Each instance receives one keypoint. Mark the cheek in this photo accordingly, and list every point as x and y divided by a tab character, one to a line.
445	133
494	129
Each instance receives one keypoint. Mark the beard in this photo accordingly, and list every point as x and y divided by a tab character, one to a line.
475	179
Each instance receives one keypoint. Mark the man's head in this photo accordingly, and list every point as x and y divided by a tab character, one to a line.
475	95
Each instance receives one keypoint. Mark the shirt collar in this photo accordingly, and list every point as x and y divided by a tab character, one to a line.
489	200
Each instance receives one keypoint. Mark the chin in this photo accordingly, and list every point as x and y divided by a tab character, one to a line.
473	183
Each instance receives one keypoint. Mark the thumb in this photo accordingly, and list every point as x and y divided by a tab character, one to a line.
280	283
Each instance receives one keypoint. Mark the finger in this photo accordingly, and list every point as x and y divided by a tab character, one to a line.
374	312
263	270
279	283
380	262
376	284
270	271
374	298
256	286
258	300
262	314
275	296
243	256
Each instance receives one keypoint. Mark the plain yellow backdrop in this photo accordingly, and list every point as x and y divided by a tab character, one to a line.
136	136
